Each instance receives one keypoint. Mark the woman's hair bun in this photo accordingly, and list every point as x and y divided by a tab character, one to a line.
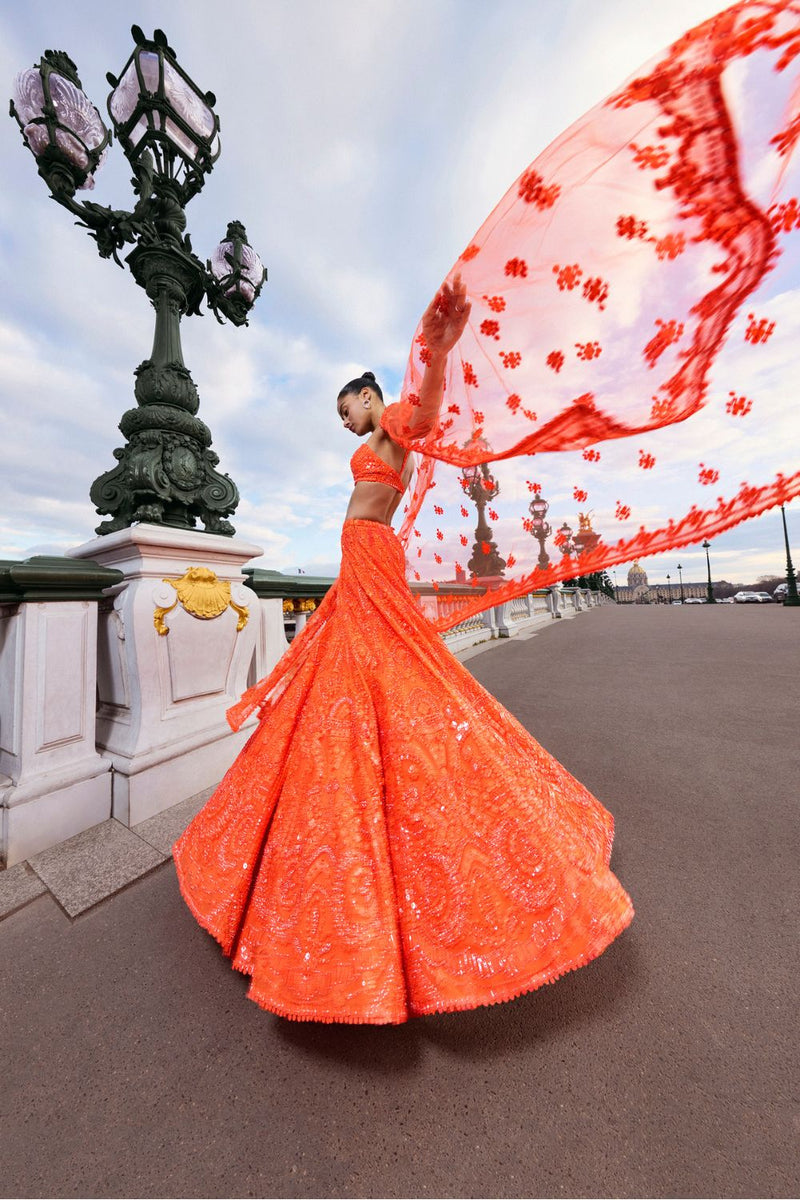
356	385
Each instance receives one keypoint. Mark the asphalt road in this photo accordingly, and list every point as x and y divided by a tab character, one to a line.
133	1065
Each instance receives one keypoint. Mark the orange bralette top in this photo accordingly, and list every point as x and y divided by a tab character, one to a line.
369	467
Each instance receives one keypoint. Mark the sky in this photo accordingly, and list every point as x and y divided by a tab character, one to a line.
363	142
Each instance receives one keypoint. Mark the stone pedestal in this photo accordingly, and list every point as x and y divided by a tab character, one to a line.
53	783
176	643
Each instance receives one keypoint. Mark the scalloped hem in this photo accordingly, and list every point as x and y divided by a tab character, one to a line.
463	1005
327	1018
399	1018
548	977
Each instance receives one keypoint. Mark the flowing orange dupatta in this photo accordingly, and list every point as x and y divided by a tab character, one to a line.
631	355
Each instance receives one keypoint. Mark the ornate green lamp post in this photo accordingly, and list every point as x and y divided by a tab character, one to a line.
791	598
481	486
680	577
166	471
709	590
540	528
563	540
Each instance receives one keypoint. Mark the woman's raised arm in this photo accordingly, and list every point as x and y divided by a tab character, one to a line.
442	325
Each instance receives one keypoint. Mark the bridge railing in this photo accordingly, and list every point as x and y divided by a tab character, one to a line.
300	595
64	667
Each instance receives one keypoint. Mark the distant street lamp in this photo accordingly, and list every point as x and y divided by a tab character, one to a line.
564	541
710	596
170	135
616	588
791	598
669	592
481	486
680	577
540	529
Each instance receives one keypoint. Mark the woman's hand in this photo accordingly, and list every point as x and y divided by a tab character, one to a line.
442	325
445	317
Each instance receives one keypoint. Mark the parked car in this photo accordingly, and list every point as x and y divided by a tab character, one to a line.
780	591
725	600
747	598
694	600
764	597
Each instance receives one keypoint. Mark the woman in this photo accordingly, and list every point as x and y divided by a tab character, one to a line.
391	842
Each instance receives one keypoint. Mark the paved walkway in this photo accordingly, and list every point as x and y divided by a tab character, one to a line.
133	1064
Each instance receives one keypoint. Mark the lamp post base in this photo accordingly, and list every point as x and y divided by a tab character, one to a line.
165	478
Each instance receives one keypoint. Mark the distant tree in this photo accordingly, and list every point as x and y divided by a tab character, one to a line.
598	581
768	583
606	585
764	583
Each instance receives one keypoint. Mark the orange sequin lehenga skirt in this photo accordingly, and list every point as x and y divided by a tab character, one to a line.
391	841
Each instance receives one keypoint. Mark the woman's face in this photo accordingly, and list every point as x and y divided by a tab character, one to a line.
355	414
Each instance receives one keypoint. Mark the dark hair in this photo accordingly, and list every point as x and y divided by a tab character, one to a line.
367	379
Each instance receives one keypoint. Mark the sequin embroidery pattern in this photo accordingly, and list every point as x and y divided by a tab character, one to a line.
391	841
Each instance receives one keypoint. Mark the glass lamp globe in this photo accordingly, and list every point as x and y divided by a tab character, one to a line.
156	106
470	477
236	266
60	125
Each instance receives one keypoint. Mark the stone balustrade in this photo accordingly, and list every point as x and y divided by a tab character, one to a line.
114	679
300	595
53	781
521	615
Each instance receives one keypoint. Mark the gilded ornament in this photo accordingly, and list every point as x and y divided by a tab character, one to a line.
202	595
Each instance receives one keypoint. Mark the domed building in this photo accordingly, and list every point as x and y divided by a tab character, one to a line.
637	581
641	591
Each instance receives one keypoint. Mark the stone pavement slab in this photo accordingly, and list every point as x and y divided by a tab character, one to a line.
92	865
164	829
18	885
